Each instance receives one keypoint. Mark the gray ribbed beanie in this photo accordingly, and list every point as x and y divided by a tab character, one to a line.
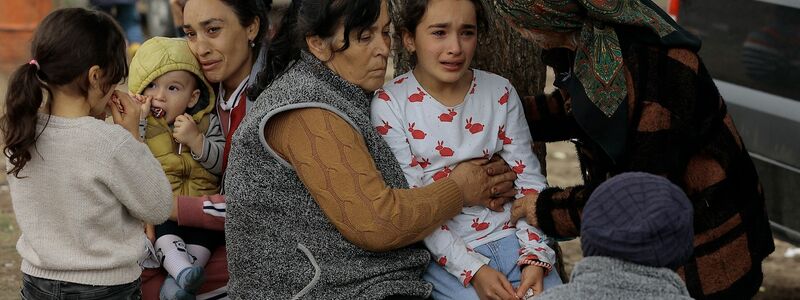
640	218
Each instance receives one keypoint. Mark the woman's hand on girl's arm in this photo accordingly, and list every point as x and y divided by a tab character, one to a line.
525	207
477	186
503	191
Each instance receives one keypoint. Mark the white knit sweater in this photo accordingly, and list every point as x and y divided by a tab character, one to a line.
81	199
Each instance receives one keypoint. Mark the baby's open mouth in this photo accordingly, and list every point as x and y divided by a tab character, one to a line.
157	112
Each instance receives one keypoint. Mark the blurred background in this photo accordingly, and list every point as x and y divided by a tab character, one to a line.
751	47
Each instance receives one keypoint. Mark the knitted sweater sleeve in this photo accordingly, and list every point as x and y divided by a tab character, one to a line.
332	160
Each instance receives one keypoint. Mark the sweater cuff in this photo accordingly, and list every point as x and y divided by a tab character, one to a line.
449	194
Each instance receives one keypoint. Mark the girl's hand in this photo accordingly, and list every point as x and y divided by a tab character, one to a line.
125	112
491	284
185	132
525	207
476	184
532	278
144	104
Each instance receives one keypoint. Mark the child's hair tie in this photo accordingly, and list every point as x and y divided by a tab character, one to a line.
35	63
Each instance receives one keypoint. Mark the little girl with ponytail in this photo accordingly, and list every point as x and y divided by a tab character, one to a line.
80	187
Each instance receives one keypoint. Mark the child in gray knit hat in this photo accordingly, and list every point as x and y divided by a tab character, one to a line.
636	228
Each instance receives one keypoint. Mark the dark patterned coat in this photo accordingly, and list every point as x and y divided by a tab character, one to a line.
678	127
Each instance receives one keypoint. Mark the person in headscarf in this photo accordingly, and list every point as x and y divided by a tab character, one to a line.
634	95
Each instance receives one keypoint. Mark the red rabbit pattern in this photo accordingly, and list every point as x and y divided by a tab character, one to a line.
424	163
508	225
501	134
439	137
448	116
414	161
442	174
415	133
519	168
384	129
417	97
479	226
381	94
533	236
467	275
504	98
473	127
526	191
443	151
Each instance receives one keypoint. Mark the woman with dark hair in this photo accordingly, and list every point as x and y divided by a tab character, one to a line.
318	207
635	96
229	38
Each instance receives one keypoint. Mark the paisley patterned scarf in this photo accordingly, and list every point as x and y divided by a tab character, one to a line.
598	59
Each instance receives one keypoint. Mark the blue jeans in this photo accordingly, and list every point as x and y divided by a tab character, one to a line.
503	254
128	18
35	288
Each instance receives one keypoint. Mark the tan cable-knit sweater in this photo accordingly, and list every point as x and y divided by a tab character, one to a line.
396	220
81	200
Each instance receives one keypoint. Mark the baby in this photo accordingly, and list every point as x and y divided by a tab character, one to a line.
183	134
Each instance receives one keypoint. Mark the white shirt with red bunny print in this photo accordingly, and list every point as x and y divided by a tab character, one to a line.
429	139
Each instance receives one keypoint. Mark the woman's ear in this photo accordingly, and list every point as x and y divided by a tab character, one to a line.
252	30
319	47
408	41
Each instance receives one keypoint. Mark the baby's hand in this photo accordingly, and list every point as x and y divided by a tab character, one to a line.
185	132
532	278
144	102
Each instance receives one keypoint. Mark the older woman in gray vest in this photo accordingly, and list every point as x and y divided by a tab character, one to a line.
318	207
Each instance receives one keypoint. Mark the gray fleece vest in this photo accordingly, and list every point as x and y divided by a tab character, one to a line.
280	243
